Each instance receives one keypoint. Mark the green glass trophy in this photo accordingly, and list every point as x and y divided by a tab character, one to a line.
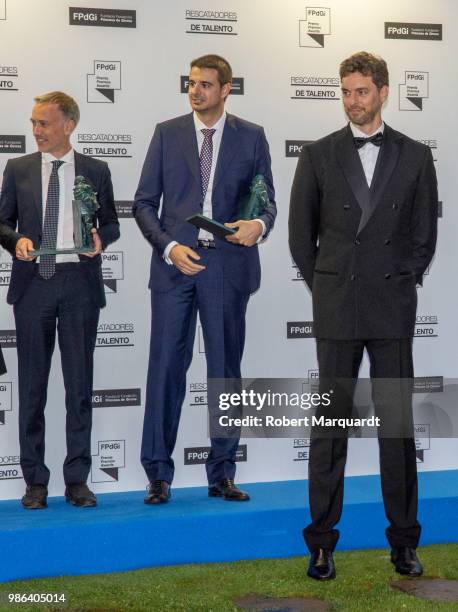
251	207
85	206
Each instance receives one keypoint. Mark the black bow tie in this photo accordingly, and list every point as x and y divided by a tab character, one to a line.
376	140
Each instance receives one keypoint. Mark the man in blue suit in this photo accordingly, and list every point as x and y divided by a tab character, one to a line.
203	162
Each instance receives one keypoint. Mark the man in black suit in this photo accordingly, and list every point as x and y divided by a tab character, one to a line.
36	210
363	224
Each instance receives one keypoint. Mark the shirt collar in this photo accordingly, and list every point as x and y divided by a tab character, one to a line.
68	158
357	133
219	125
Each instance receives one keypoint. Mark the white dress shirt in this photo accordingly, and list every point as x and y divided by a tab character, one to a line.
66	175
207	203
368	154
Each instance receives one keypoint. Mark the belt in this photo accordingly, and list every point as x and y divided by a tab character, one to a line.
64	267
206	244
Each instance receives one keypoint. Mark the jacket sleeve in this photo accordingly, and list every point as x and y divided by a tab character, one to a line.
108	224
424	217
8	211
263	166
304	216
148	195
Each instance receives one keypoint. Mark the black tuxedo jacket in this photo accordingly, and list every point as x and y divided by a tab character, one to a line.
21	215
361	251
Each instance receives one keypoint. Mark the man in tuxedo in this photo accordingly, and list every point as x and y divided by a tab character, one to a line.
203	162
362	227
67	290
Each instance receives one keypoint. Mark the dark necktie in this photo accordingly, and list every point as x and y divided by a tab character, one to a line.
376	140
47	265
206	156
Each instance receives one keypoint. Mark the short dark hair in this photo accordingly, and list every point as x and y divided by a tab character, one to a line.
65	103
368	65
218	63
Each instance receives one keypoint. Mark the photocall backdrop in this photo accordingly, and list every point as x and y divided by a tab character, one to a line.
126	63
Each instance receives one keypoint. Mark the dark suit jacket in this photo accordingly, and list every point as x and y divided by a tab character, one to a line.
21	214
171	170
361	251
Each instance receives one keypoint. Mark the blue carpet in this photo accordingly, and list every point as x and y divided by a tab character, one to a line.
122	533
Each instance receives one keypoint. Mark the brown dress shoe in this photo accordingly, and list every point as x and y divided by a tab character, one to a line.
35	497
158	492
80	495
227	489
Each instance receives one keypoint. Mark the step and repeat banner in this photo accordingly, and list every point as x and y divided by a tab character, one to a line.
126	63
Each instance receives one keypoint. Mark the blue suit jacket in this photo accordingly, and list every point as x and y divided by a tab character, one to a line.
171	171
21	209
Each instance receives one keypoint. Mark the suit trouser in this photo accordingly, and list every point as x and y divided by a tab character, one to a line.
391	361
65	299
173	323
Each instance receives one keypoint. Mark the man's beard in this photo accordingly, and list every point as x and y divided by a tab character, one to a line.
362	119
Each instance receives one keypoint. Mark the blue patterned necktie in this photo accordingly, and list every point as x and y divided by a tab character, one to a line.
47	265
206	157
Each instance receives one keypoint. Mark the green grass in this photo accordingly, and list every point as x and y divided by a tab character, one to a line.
363	583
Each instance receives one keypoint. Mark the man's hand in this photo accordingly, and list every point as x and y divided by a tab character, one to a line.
23	246
247	234
97	244
182	258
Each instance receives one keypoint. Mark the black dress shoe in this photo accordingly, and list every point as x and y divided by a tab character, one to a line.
406	562
321	566
227	489
35	497
80	495
158	492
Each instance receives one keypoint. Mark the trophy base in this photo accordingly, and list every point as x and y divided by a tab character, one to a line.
74	251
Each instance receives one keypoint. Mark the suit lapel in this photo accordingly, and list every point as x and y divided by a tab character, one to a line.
350	162
189	145
386	163
227	149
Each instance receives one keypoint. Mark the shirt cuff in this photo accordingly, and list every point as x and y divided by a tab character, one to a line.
167	250
261	237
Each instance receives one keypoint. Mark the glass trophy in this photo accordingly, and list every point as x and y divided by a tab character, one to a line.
85	206
250	207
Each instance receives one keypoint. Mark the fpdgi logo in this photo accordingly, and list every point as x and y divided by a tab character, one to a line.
237	85
110	18
413	31
112	269
299	329
422	440
111	457
414	90
315	26
6	403
103	82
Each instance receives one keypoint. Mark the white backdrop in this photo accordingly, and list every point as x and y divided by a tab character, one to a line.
268	45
